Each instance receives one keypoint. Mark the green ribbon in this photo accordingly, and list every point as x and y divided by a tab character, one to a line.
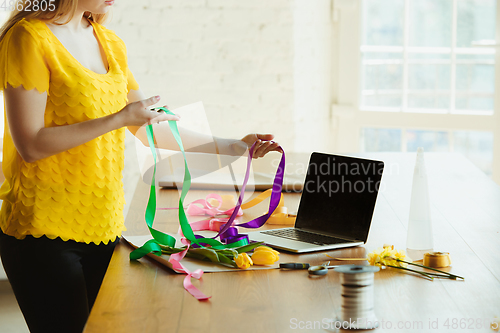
153	245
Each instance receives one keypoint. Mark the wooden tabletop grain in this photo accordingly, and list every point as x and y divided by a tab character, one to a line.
143	296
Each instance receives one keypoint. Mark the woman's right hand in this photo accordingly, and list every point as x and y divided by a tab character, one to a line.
138	114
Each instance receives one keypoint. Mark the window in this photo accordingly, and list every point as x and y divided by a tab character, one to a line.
417	56
425	77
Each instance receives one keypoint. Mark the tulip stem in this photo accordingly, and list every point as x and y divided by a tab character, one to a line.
412	270
433	269
443	276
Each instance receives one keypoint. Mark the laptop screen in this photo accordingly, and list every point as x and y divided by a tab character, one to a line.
339	195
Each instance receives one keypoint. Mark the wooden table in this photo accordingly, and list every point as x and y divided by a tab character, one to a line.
143	296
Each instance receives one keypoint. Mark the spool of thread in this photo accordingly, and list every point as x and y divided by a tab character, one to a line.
357	306
437	259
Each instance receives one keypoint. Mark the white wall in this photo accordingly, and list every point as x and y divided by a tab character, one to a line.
313	55
237	57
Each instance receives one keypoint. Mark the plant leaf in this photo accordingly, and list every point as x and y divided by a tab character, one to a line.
169	250
208	253
248	247
226	260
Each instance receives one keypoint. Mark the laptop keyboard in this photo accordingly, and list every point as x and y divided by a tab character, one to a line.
304	236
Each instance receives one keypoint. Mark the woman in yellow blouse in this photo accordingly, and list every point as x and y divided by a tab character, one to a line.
68	97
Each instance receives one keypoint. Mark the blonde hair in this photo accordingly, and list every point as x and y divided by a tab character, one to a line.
62	8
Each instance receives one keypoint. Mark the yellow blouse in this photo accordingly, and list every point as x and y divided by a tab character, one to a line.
76	194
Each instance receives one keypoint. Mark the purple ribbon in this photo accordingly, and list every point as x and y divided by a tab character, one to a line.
231	235
274	201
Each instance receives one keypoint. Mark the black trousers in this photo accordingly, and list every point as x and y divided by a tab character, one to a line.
55	282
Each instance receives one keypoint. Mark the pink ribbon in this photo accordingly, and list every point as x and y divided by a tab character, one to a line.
213	224
208	224
207	208
175	259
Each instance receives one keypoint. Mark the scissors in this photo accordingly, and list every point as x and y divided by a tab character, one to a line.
321	269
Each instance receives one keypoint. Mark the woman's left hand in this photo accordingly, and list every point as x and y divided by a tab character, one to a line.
264	145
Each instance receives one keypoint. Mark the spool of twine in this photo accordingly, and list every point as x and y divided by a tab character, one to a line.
357	304
437	259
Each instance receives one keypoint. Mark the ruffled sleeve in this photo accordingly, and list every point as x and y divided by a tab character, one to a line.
22	59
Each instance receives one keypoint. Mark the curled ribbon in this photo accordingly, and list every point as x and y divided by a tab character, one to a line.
230	240
275	194
208	209
208	224
175	260
280	214
232	235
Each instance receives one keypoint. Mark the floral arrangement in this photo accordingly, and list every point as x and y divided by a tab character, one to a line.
389	257
238	257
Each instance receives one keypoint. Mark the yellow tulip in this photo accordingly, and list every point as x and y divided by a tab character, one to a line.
266	248
387	256
243	261
264	255
374	258
401	255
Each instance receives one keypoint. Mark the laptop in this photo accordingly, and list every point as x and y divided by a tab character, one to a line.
336	206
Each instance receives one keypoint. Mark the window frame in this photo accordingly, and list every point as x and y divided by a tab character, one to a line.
348	118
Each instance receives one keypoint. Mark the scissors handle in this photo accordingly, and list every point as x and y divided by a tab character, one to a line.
320	270
294	265
317	270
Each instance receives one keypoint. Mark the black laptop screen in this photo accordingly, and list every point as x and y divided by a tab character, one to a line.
339	195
